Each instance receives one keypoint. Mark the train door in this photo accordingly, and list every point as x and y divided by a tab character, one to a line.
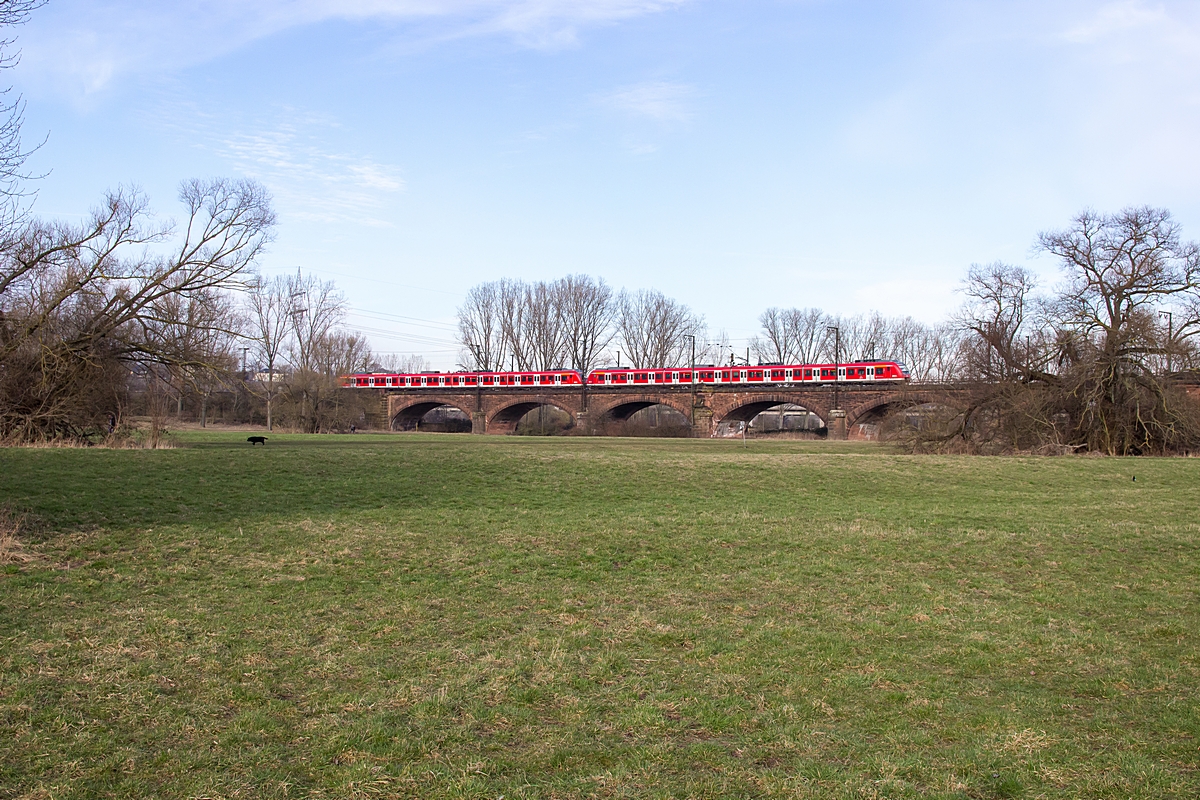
841	373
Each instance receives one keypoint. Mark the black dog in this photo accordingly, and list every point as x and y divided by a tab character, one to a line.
253	440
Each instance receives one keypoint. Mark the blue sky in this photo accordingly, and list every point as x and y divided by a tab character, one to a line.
853	156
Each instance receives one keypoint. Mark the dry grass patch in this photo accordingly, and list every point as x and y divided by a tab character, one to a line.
12	549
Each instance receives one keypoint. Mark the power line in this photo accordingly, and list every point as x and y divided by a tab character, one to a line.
384	315
415	338
387	283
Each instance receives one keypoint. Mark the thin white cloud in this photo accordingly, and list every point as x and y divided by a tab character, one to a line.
660	101
1116	18
293	155
84	46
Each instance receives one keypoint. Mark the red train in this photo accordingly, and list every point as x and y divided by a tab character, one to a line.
774	374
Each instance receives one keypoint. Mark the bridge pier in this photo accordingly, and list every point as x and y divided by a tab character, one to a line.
837	426
478	422
581	422
702	422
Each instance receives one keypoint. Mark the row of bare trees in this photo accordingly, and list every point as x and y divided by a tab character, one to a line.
580	323
809	335
575	322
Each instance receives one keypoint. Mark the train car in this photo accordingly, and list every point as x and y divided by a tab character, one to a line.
461	380
708	375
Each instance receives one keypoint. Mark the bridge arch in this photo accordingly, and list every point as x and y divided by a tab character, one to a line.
408	417
505	418
876	406
863	421
621	410
746	407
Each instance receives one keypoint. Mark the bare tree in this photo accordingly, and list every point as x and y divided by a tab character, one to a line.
316	309
335	353
199	328
777	344
480	328
1120	268
536	326
793	336
543	332
74	298
931	353
861	337
1083	368
513	322
652	328
588	310
270	306
997	316
13	155
405	364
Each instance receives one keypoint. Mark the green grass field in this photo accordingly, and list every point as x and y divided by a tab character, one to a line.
456	616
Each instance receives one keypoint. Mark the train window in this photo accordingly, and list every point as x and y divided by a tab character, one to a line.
724	376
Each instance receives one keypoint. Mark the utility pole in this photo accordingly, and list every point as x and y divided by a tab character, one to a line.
1170	335
837	358
305	345
692	409
244	349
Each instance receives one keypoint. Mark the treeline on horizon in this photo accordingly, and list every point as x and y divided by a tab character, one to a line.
580	322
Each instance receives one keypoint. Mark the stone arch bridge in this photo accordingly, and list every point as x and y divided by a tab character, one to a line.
497	410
